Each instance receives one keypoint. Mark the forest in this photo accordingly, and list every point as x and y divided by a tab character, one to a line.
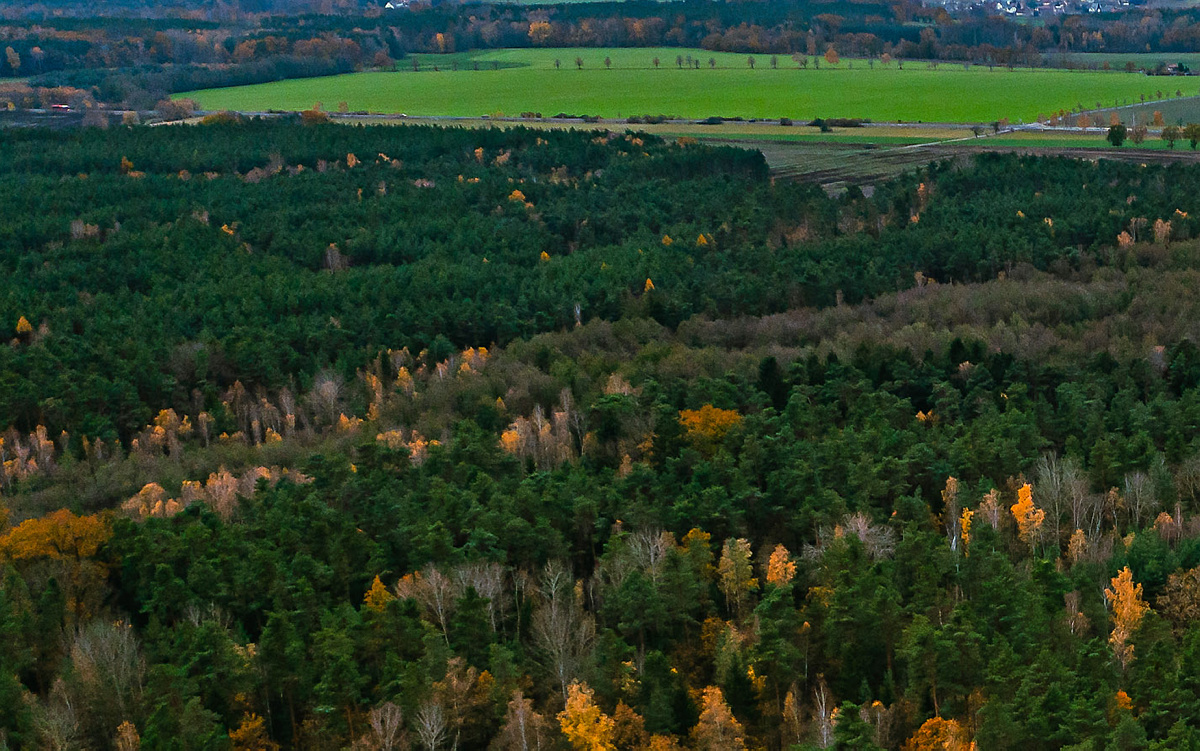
323	436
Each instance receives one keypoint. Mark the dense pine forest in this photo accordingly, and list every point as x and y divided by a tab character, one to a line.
321	436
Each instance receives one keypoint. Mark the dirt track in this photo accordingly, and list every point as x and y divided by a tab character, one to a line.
836	166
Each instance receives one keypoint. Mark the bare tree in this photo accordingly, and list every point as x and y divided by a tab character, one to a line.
879	541
562	631
435	592
1140	498
387	725
1188	477
649	549
431	725
1053	480
108	672
488	580
56	722
823	713
325	399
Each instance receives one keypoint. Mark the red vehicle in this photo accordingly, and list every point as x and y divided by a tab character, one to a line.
63	107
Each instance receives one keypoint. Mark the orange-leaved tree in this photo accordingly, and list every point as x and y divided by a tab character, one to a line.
1128	607
781	569
707	426
67	544
937	734
718	729
377	597
251	735
1028	516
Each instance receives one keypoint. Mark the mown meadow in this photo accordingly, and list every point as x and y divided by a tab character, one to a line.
512	82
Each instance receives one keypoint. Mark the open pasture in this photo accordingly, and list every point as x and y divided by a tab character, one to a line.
729	87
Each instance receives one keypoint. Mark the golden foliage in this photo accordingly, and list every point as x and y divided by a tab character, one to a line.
1123	701
251	735
585	726
59	535
937	734
964	523
545	256
516	195
666	240
127	738
708	424
664	743
781	569
1128	607
70	544
23	326
1028	516
377	597
539	31
648	286
718	729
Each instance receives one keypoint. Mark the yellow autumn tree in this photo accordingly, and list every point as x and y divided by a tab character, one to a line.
1029	517
781	569
539	31
937	734
1128	607
127	738
964	524
251	735
586	727
23	326
377	597
705	427
70	544
718	729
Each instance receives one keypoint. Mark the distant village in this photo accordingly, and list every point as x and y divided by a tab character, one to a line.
1036	8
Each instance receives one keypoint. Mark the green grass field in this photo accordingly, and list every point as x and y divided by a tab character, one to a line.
634	87
1118	59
